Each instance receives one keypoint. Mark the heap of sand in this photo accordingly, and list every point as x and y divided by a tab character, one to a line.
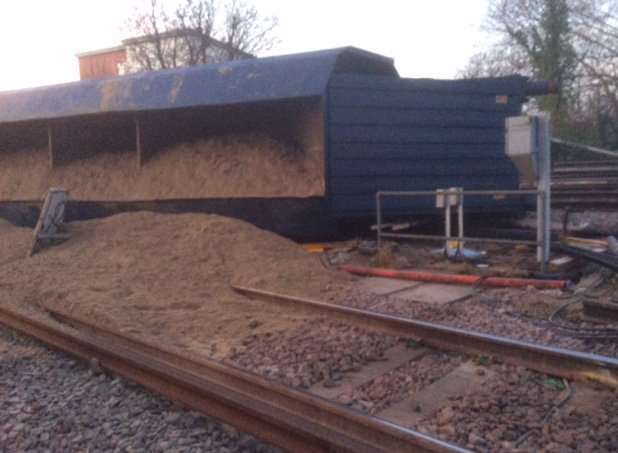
165	277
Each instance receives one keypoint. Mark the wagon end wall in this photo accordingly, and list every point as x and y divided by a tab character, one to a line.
391	134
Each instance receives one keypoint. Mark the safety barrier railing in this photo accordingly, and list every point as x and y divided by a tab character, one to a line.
448	198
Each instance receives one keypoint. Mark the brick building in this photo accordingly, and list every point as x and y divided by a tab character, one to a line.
101	63
129	57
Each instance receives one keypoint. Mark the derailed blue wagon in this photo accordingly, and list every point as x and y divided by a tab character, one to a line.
372	129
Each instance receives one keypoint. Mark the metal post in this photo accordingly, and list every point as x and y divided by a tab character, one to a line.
379	219
540	228
547	191
447	220
460	217
543	143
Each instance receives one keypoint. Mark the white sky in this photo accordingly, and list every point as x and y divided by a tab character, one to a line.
427	38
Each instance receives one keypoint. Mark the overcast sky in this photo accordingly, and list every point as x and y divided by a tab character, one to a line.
427	38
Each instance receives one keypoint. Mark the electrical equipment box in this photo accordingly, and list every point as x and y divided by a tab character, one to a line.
443	199
521	147
528	145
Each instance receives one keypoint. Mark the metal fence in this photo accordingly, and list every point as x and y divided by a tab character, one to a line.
447	198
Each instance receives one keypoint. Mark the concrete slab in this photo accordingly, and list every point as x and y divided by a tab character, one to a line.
385	286
394	358
436	293
463	380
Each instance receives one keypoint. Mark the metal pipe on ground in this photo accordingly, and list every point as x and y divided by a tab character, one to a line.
475	280
607	260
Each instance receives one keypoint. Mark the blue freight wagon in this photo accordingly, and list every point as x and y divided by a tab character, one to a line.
372	129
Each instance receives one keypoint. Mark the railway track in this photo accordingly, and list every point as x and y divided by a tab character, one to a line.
300	421
572	365
291	419
585	184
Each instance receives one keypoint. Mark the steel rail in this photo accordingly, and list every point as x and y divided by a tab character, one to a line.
573	365
592	149
291	419
601	310
584	163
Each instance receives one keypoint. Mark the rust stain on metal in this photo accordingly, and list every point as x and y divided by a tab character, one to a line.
118	92
224	71
111	92
176	87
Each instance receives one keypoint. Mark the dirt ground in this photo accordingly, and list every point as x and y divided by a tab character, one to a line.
249	165
165	277
547	316
499	260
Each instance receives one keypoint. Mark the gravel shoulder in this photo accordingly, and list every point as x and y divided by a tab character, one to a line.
519	411
500	408
50	402
490	312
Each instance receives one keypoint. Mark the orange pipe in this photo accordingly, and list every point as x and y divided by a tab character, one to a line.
413	275
504	282
456	279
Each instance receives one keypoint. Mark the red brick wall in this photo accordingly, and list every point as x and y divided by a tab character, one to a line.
101	65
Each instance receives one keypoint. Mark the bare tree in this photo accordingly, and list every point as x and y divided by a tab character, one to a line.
245	31
596	34
573	42
150	51
497	62
193	33
195	19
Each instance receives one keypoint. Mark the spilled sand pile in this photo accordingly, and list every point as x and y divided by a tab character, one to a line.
15	243
249	165
166	277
